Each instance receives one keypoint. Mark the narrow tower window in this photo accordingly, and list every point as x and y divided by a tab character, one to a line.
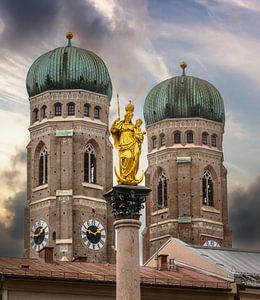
71	109
97	112
204	138
190	138
36	114
162	191
43	166
163	140
177	138
214	140
90	170
44	111
207	188
154	142
57	109
86	110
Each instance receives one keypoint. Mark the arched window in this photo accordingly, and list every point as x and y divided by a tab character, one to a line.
154	142
57	109
190	138
86	110
36	114
97	112
163	140
90	167
162	191
71	109
43	166
207	188
214	140
177	138
44	111
204	138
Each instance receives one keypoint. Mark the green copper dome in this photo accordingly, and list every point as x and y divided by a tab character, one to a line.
183	97
69	68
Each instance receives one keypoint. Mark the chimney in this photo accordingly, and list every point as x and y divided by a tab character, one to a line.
162	262
47	254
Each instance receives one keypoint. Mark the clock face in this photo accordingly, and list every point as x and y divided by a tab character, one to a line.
211	243
93	234
39	235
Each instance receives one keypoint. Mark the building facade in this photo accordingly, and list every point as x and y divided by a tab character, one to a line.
185	125
69	156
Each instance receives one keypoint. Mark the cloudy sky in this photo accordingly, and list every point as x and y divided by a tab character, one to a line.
142	43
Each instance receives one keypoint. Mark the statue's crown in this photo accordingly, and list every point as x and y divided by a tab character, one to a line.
129	107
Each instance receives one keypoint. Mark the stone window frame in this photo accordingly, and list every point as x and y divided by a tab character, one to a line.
175	134
204	138
189	137
90	164
71	109
162	139
44	112
97	112
162	191
86	110
154	142
36	116
43	166
57	109
207	189
214	140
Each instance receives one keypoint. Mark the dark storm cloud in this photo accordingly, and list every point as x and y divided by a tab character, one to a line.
86	22
11	238
11	234
27	20
244	216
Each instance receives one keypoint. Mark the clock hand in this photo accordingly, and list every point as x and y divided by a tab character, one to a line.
39	233
94	233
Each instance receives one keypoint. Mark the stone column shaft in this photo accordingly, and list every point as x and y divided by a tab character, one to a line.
127	259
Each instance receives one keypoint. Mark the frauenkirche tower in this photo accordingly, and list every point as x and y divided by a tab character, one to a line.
69	156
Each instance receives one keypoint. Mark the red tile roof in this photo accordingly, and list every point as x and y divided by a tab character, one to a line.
31	268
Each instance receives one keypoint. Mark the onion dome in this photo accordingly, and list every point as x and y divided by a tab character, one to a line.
184	97
69	68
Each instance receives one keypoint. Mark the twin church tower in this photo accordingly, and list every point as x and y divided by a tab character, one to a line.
70	164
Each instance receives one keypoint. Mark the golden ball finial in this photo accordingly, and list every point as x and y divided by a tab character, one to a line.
129	107
69	35
183	65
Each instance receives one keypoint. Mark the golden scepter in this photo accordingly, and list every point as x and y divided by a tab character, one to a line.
118	106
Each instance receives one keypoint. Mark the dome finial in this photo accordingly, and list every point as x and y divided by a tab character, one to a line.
183	65
69	36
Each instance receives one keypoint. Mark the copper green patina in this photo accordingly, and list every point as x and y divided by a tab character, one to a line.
184	97
69	68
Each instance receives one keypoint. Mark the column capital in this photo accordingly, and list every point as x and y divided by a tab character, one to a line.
127	201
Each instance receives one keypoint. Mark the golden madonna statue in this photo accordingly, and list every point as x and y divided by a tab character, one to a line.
128	139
